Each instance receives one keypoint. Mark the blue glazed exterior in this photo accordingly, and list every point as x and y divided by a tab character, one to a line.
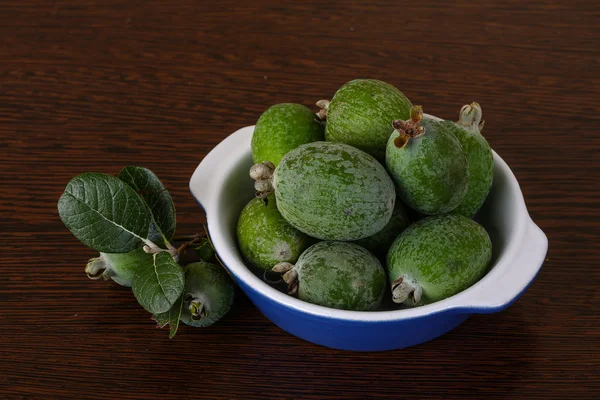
354	335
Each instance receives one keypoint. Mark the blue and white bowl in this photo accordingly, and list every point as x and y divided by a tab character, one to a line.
222	186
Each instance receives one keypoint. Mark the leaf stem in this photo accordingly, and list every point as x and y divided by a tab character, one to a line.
185	237
194	239
171	247
213	247
151	248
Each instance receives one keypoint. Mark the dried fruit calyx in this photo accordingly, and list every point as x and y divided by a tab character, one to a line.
262	173
470	116
410	128
406	289
290	275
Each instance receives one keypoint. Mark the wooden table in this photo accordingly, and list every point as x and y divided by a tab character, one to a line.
97	85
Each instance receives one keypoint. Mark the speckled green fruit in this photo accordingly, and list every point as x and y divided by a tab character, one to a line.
333	191
207	295
120	267
479	157
361	112
284	127
338	275
380	243
265	238
436	258
430	170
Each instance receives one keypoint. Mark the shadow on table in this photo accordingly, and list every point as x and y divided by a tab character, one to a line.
246	356
487	356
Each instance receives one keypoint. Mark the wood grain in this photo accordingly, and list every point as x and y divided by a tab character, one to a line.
93	86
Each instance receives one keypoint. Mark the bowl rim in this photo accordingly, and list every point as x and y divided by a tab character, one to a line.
232	149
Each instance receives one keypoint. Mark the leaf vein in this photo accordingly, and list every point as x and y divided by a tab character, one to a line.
106	219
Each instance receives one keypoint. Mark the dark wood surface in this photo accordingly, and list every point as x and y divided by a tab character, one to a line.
96	85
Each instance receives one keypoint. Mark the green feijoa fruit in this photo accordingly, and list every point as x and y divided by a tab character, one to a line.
479	157
338	275
360	114
120	267
436	258
207	295
265	238
380	243
284	127
428	164
330	191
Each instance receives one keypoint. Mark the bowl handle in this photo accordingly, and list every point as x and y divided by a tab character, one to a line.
208	176
499	292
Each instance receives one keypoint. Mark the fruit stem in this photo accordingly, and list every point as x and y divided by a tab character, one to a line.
470	116
410	128
406	290
262	173
324	107
97	268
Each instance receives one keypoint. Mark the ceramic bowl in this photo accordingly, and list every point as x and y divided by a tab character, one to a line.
222	186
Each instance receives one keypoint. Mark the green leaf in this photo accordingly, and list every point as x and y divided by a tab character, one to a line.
158	285
157	198
103	213
170	317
